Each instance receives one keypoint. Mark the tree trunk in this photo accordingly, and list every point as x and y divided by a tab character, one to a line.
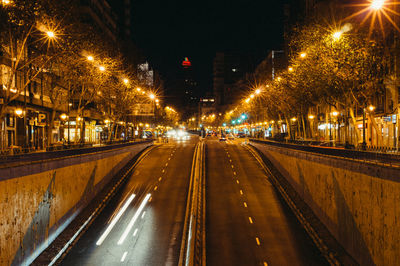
304	127
353	119
50	127
379	140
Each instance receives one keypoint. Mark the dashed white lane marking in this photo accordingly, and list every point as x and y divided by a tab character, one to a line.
169	158
159	179
136	230
163	171
234	173
230	160
245	204
150	199
232	166
241	192
143	214
237	181
265	263
155	188
166	164
258	241
250	220
124	256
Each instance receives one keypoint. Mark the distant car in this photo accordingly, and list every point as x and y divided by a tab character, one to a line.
241	135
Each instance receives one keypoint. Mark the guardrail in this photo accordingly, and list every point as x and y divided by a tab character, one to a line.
375	157
193	249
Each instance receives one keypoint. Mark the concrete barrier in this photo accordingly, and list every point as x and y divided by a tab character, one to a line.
358	202
39	199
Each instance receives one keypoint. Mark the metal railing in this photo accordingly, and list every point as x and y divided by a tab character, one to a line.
18	154
370	156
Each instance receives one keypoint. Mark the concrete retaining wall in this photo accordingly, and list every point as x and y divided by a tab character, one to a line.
358	202
38	200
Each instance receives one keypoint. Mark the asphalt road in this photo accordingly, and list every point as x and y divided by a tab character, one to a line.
247	222
143	234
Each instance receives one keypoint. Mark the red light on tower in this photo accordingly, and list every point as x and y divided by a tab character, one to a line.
186	63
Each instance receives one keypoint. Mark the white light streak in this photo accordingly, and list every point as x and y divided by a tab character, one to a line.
115	220
133	220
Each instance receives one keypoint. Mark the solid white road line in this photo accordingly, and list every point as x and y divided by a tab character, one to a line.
124	256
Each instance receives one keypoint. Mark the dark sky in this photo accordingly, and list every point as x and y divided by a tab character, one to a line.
167	31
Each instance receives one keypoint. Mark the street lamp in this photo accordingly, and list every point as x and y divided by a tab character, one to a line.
50	34
152	96
377	4
102	68
303	55
371	108
290	69
336	35
126	81
18	112
258	91
90	58
63	116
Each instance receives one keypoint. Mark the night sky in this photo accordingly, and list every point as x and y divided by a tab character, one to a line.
167	31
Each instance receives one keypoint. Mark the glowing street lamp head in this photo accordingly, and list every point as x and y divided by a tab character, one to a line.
18	112
50	34
335	113
247	100
102	69
258	91
377	4
290	69
371	108
336	35
252	96
90	58
303	55
126	81
152	96
63	116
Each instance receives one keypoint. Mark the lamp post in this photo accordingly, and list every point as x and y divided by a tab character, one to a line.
364	143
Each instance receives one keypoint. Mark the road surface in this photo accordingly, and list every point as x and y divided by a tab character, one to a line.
155	237
247	221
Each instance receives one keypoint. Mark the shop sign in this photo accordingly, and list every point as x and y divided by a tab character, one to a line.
41	120
387	118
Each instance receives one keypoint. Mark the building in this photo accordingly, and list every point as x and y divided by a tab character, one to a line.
228	68
99	14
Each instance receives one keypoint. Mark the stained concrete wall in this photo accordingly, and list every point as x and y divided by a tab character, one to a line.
358	202
38	200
